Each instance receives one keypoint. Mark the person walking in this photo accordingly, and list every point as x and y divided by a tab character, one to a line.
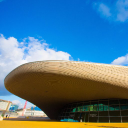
6	116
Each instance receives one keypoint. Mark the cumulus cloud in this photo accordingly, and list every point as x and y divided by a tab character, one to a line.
17	102
116	11
14	53
123	60
21	105
122	10
104	10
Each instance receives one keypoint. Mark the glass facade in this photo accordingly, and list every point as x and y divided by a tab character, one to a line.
36	108
107	110
13	107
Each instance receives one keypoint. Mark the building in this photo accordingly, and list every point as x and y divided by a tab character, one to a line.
5	105
36	113
36	108
33	111
8	108
13	107
73	91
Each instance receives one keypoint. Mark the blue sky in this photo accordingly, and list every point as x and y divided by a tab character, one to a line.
85	30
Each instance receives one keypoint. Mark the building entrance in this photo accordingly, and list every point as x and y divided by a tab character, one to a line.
106	110
82	116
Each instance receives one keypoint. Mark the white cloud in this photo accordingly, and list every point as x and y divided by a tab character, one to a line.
21	105
14	53
122	8
17	102
104	10
123	60
118	11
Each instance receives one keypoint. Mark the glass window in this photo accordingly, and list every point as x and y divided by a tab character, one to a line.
72	115
93	119
124	113
74	105
123	101
101	108
86	108
70	106
81	108
114	107
111	108
95	107
64	113
78	109
106	108
62	119
80	104
68	110
114	113
64	110
67	114
103	102
111	102
86	103
61	114
123	107
93	114
105	119
66	119
103	113
124	119
117	107
94	103
91	107
115	119
73	110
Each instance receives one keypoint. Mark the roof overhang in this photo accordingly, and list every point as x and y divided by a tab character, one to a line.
52	84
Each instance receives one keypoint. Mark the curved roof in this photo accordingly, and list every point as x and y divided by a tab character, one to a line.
52	84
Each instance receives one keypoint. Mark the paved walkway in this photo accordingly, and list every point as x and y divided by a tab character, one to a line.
51	124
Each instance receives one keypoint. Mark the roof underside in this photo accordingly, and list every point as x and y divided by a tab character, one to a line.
52	84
